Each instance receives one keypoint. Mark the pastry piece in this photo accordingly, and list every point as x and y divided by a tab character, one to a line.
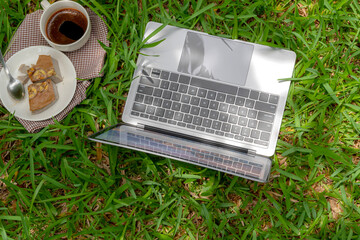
43	69
41	95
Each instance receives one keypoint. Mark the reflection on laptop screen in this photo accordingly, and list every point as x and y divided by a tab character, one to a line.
216	58
202	154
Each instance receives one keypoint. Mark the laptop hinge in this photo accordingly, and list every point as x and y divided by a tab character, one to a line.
251	152
139	125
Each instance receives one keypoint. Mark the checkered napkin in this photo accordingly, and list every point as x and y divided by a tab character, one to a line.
88	60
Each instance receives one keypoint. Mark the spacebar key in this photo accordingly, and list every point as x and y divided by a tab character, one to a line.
220	87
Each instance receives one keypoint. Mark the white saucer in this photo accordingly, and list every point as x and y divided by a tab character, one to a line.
65	89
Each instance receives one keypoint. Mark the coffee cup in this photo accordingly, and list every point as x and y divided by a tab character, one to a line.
65	25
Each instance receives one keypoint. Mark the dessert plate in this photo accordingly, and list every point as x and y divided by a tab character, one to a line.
65	89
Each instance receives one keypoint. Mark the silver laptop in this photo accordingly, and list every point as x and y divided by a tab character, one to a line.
205	100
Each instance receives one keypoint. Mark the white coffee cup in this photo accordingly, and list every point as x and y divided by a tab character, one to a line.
50	9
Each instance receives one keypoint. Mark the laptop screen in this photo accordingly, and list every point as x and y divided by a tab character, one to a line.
215	58
199	153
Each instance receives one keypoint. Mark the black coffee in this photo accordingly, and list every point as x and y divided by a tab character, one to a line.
66	26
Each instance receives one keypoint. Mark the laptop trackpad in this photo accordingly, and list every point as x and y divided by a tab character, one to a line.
216	58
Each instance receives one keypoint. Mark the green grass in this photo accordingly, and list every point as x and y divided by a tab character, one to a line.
56	184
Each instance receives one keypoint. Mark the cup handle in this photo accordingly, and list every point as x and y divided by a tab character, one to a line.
45	4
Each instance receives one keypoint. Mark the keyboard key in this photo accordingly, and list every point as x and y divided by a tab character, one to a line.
206	123
184	79
169	114
252	113
226	127
223	107
155	73
249	103
166	104
154	118
243	92
252	123
164	84
164	75
210	131
174	77
249	140
265	144
238	137
139	98
243	121
219	87
154	82
181	124
162	120
174	86
195	110
266	117
245	132
219	133
214	105
233	109
148	100
239	101
197	121
176	106
246	168
265	107
166	94
230	99
145	90
216	125
150	110
233	119
242	112
274	99
204	112
255	134
185	98
192	90
264	126
188	118
176	96
211	95
235	129
195	101
264	97
200	128
157	92
157	102
223	117
143	115
185	108
183	88
178	116
172	122
159	112
135	113
139	107
254	95
220	97
229	135
201	92
265	136
214	115
204	103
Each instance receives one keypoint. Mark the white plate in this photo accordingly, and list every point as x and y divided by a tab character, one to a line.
65	89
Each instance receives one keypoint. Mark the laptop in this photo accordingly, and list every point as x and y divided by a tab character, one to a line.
205	100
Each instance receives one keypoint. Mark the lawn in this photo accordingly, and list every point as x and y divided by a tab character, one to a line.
56	184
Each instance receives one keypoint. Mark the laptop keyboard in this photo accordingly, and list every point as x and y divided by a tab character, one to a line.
215	108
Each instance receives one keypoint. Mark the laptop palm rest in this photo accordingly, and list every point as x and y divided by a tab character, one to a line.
205	154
